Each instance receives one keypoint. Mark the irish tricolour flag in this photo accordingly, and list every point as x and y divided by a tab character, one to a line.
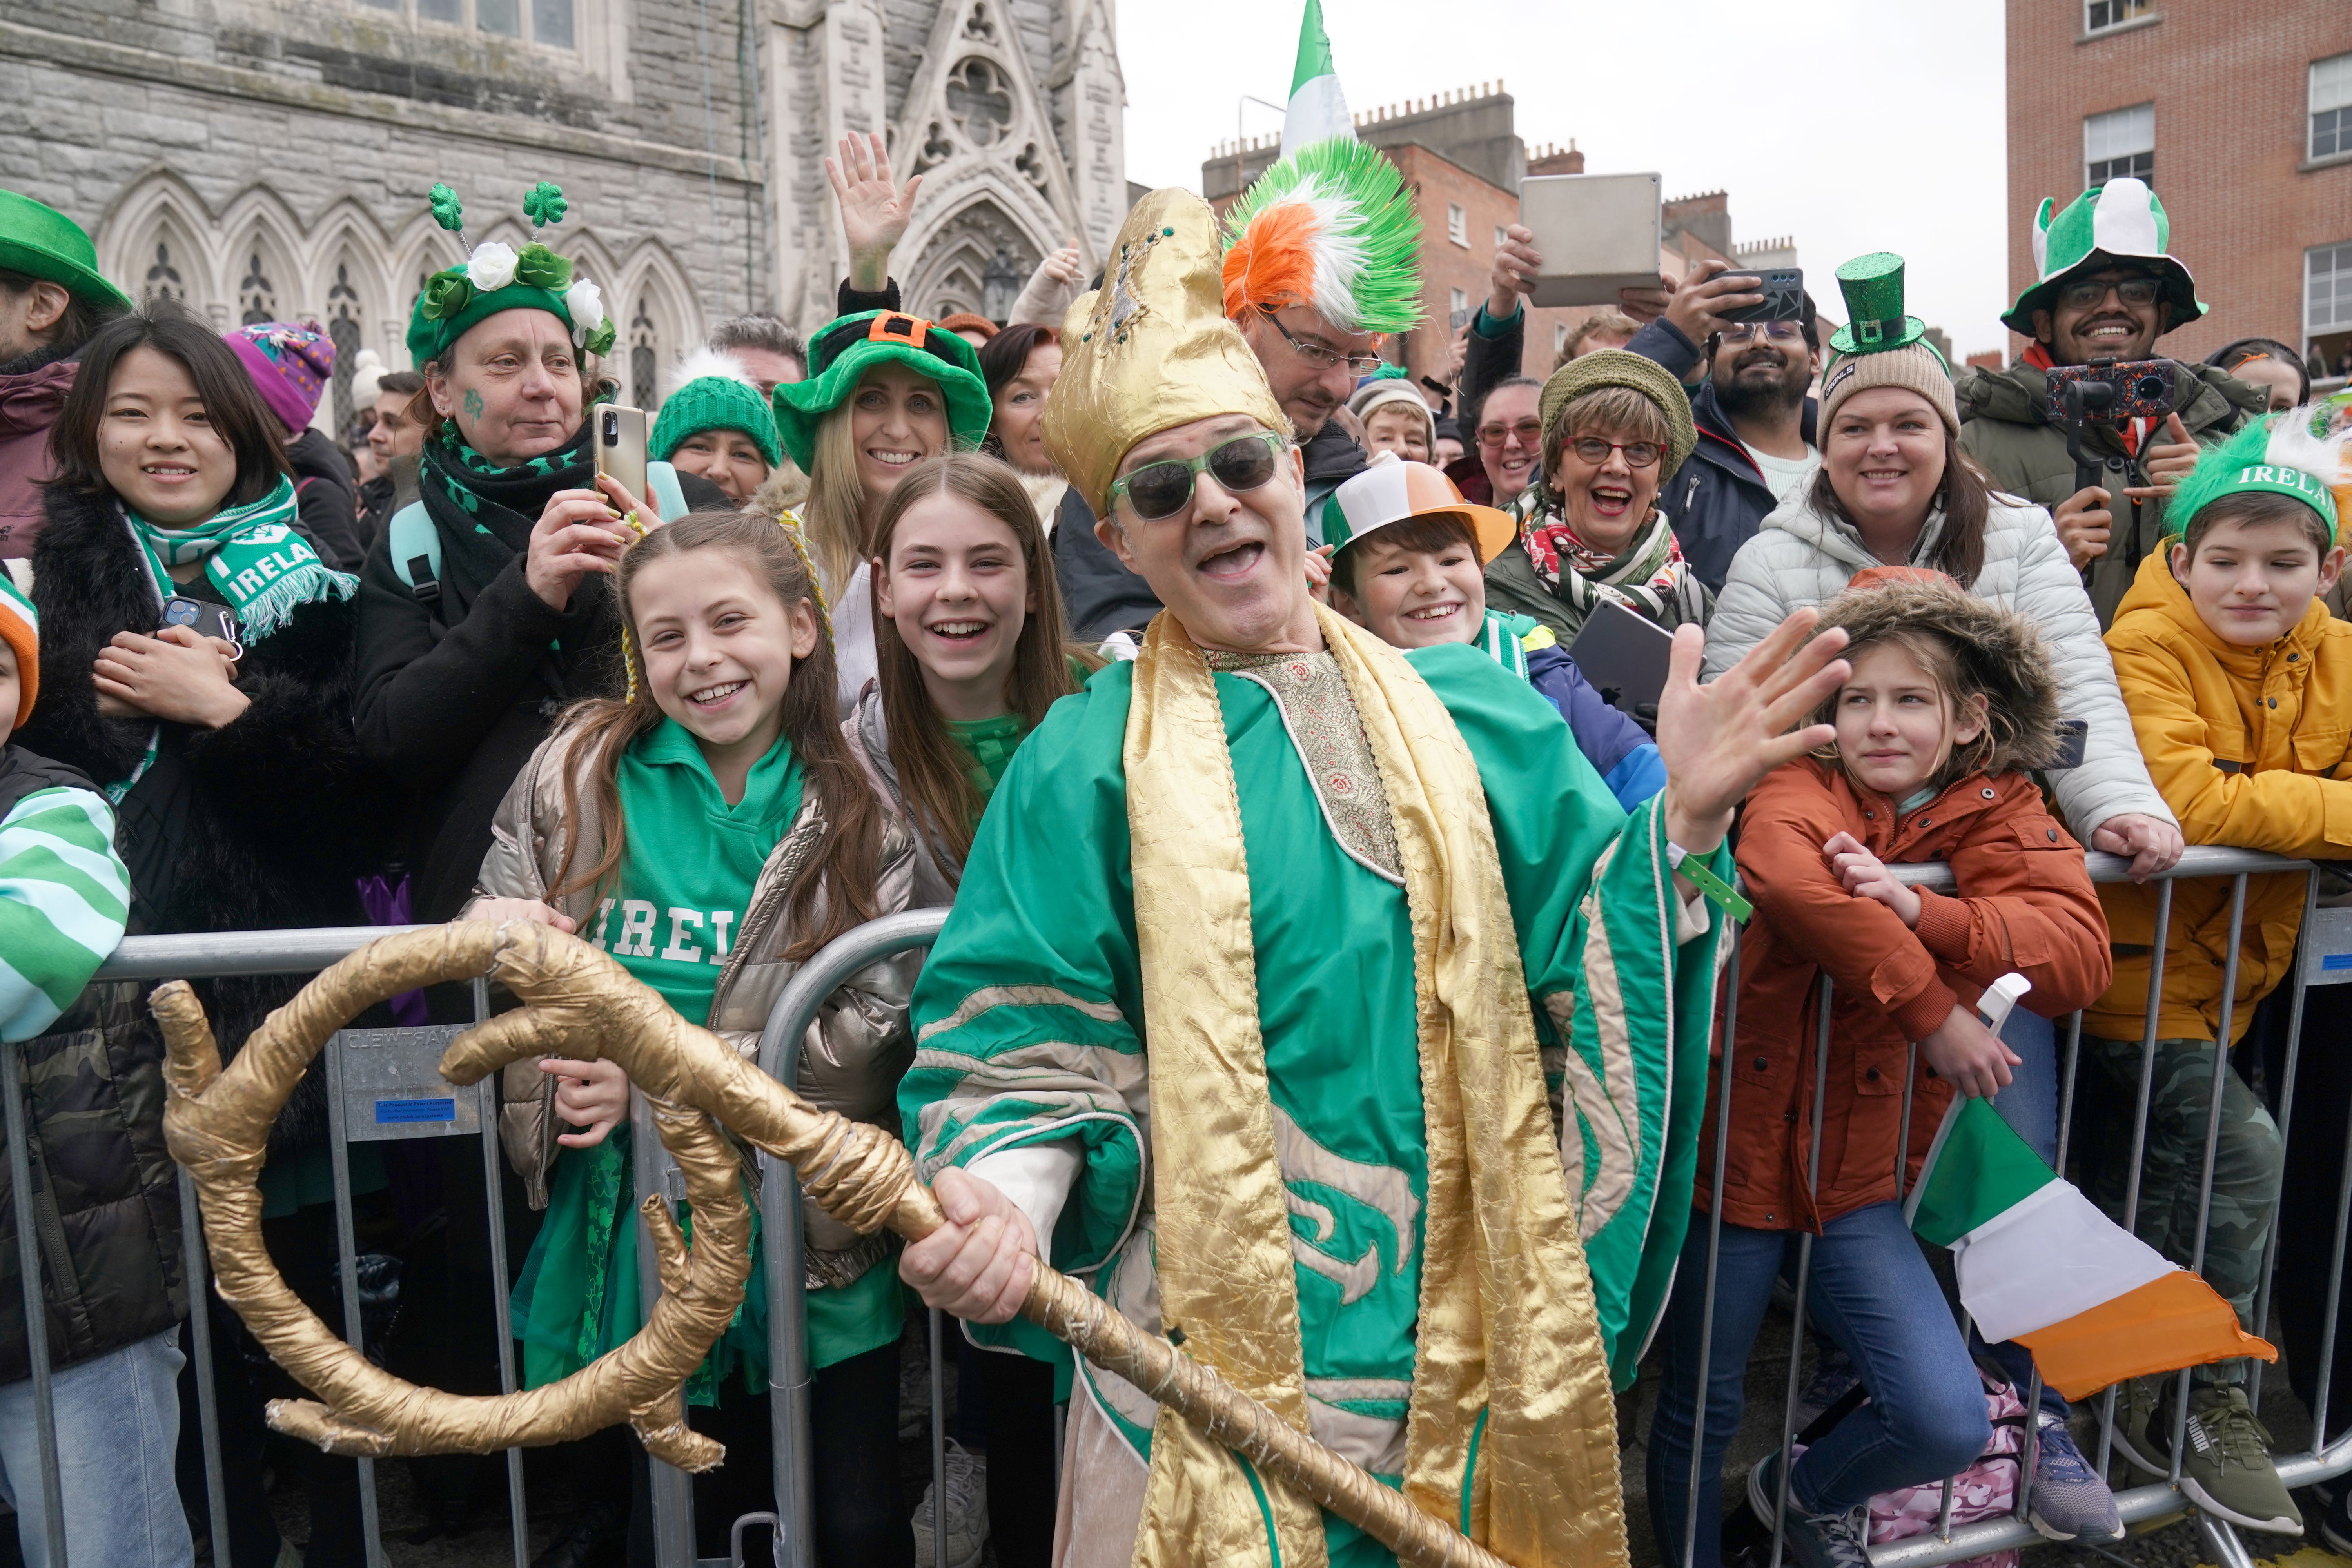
1318	110
2040	1264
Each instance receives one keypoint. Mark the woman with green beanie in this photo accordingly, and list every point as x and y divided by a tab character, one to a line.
716	424
884	391
1615	428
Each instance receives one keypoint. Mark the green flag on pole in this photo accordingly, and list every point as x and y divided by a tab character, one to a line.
1318	110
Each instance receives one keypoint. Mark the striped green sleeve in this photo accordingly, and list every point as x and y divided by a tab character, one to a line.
65	898
1021	1017
1622	1004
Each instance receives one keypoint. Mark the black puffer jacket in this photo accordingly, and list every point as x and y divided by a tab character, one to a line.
106	1197
265	824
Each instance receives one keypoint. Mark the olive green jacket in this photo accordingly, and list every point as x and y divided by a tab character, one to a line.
2003	429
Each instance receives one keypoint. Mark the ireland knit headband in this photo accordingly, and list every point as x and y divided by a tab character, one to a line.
497	277
2276	457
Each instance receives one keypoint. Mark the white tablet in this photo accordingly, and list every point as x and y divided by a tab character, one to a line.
1596	232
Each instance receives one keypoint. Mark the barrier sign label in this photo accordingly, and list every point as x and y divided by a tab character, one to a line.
416	1111
2335	961
392	1087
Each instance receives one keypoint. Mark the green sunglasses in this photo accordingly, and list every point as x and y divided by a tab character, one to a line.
1161	490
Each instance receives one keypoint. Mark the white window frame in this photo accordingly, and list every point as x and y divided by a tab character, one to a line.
1457	225
2119	134
2338	315
468	20
2328	92
2118	13
1458	306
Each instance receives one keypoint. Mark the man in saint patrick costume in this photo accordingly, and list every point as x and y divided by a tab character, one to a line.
1269	947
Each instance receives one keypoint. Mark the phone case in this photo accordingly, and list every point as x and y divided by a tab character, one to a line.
2111	392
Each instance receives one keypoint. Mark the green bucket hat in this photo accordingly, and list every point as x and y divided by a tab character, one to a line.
1615	367
41	242
715	394
2119	223
849	346
497	277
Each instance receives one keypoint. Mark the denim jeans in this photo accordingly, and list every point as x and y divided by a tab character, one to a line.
1873	1293
117	1425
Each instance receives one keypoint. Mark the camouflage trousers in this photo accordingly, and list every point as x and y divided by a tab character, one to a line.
2247	1164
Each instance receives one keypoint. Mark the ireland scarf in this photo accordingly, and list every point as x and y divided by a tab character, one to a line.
262	567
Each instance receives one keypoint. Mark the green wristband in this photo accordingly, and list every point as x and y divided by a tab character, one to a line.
1716	889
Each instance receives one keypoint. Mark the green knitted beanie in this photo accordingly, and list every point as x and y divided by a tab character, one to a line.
1616	367
717	396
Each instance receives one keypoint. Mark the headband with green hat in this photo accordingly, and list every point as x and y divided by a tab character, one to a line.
2270	457
20	628
2120	223
497	277
1880	345
714	393
1615	367
845	349
41	242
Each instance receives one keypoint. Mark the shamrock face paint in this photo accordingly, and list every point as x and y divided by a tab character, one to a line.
473	405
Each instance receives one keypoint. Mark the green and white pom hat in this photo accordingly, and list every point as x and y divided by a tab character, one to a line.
2119	222
496	277
713	391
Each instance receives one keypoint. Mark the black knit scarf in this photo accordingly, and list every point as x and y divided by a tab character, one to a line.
486	513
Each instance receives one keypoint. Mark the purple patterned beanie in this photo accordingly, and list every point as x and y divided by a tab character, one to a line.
289	365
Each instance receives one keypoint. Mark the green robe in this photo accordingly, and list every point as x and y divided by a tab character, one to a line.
1028	1009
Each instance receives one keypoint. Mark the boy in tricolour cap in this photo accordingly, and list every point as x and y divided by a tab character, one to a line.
1412	572
2239	686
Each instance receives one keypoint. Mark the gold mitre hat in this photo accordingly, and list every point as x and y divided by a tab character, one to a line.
1151	349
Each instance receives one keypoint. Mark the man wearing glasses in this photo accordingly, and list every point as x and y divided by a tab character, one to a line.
1259	967
1753	409
2107	291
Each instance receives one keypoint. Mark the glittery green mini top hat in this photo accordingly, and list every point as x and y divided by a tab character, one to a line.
1872	286
496	277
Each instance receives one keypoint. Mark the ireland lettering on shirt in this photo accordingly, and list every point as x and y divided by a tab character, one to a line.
639	921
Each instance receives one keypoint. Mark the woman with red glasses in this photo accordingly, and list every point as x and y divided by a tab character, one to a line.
1616	427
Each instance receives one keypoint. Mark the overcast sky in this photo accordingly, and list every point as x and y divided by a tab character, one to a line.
1854	125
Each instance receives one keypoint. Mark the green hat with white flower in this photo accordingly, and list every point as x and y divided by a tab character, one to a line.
496	277
2119	224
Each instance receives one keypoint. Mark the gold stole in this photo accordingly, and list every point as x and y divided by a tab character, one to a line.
1508	1326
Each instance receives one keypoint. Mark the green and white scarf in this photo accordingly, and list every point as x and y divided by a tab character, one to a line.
251	554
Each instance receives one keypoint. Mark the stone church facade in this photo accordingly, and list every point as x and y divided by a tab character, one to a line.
269	158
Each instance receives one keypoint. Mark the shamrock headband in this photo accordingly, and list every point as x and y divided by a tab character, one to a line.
497	277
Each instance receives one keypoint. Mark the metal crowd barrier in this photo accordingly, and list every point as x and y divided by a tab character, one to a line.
383	1084
2323	957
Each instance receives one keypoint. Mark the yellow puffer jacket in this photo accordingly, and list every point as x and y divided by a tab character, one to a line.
2248	745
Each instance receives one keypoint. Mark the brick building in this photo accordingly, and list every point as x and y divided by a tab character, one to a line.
2241	117
1462	161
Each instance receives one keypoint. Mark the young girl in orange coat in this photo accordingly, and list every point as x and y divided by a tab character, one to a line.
1949	701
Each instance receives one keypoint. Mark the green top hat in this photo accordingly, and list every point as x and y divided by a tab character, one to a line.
41	242
2117	223
497	277
1872	286
845	349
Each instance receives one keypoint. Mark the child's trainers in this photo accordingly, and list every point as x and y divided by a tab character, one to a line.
1814	1541
2225	1466
967	1512
2069	1502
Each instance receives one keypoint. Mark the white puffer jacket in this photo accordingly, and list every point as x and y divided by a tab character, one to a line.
1799	557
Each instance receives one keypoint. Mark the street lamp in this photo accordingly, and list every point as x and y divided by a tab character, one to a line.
999	286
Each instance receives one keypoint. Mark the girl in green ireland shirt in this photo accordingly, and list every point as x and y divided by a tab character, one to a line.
712	831
968	645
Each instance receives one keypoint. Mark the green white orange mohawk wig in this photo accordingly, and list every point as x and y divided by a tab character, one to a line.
1330	227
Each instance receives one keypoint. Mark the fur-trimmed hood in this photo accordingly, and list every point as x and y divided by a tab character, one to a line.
2000	655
